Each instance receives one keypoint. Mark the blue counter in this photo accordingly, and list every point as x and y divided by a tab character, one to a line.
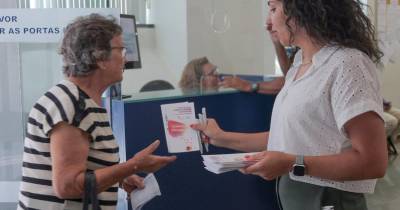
185	184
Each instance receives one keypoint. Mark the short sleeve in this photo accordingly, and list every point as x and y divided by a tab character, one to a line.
355	89
55	107
63	103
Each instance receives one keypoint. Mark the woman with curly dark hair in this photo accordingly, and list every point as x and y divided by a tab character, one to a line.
327	138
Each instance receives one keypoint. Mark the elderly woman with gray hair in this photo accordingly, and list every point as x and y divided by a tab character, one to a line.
68	132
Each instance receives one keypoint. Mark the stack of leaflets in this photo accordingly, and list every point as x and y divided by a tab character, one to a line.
226	162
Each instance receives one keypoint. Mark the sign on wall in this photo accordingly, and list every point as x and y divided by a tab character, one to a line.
42	25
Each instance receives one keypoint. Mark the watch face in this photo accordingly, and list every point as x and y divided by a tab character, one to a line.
299	170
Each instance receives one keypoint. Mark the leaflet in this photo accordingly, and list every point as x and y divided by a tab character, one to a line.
177	119
140	197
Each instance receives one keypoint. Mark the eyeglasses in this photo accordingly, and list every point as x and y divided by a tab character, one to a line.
123	50
213	72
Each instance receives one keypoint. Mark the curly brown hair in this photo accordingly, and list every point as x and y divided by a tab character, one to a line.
340	22
190	79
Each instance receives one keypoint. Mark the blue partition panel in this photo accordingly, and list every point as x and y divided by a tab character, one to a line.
185	184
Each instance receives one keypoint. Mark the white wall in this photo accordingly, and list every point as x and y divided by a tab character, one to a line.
242	49
170	19
391	73
391	83
153	67
163	49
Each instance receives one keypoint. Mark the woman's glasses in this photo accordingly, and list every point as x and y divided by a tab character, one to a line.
209	81
213	72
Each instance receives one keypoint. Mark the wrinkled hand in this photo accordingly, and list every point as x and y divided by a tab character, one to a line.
144	161
270	164
212	131
235	82
131	183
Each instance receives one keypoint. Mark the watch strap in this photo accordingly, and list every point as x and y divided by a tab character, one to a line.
255	87
300	160
299	168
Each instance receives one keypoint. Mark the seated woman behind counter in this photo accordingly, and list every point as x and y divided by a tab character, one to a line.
199	75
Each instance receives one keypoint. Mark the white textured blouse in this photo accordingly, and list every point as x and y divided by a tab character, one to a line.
309	114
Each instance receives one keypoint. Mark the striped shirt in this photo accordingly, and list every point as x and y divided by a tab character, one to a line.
65	102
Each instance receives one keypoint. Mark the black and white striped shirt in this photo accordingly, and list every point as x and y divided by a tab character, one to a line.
65	102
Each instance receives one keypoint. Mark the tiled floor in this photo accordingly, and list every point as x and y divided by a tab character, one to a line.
387	191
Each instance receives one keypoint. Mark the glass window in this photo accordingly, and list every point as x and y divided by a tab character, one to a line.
11	126
132	7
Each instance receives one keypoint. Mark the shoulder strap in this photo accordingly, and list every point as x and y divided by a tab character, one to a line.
90	194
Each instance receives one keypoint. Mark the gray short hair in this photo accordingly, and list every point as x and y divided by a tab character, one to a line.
86	41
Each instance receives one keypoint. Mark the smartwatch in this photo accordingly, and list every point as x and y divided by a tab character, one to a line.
299	168
255	87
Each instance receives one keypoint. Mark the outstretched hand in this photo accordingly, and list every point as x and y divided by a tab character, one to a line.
235	82
144	161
